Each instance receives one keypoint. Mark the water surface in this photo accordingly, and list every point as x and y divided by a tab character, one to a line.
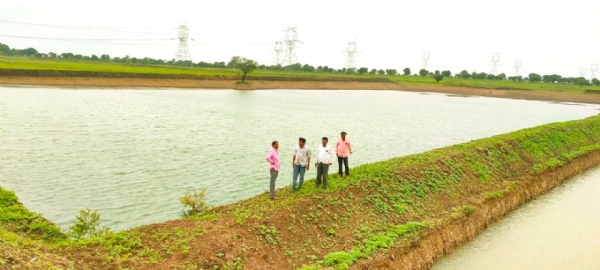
559	230
132	153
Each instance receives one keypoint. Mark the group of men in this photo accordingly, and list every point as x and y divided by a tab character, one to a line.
301	161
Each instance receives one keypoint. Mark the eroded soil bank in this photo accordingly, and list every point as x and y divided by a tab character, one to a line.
279	83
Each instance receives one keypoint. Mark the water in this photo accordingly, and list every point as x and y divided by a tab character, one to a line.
132	153
557	231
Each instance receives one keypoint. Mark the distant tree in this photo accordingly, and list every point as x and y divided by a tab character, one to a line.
464	74
423	72
233	62
244	65
363	70
381	72
52	55
501	77
391	72
373	71
535	77
595	82
30	52
320	69
78	56
446	73
406	71
4	49
437	76
491	77
308	68
351	71
86	58
582	81
105	57
67	56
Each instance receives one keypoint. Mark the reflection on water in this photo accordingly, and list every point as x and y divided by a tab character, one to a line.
559	230
133	153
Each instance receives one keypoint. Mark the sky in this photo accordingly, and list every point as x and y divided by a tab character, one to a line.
547	36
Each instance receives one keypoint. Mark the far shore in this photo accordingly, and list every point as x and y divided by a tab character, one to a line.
82	82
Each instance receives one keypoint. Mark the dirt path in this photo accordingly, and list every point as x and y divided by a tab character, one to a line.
80	82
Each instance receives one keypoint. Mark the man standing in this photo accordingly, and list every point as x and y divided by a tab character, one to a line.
324	160
300	162
273	159
342	150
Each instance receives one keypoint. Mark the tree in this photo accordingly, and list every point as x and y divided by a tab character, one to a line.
535	77
391	72
423	72
351	71
464	74
94	57
501	77
595	82
491	77
582	81
406	71
52	55
373	71
381	72
446	73
363	70
438	76
244	65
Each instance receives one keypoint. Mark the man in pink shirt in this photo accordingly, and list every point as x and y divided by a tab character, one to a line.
273	159
342	149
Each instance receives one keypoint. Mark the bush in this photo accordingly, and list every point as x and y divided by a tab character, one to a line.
194	204
87	225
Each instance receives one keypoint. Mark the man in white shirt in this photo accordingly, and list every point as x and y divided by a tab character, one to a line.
300	162
324	160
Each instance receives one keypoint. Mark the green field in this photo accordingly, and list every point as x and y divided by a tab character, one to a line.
22	63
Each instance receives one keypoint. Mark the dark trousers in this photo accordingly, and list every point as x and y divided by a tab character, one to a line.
345	161
322	171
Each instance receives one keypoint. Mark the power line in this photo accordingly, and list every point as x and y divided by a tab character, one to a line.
80	27
425	59
88	39
351	50
291	39
495	62
517	67
183	52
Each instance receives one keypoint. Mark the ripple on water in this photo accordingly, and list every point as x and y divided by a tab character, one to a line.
132	154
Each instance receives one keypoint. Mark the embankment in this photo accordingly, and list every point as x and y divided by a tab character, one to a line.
402	213
89	79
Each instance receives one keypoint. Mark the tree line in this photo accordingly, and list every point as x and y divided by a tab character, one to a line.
436	75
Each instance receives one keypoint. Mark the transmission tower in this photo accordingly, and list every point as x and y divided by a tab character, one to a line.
495	62
291	39
517	67
183	53
278	50
593	71
351	50
582	72
425	59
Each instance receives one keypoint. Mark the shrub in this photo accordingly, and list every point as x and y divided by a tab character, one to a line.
194	203
87	225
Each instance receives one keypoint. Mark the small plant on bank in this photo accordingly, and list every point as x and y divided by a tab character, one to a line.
87	225
194	203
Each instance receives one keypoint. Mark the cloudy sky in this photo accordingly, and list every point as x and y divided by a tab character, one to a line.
547	36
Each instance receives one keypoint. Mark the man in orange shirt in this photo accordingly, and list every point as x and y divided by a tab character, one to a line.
342	149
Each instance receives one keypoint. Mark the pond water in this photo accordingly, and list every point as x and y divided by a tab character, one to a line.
132	153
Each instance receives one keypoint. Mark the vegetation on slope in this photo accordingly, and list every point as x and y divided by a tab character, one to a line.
392	203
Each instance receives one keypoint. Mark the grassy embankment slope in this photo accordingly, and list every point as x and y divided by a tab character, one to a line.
400	213
16	66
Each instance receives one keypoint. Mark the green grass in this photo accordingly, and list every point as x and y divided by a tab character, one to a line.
74	65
